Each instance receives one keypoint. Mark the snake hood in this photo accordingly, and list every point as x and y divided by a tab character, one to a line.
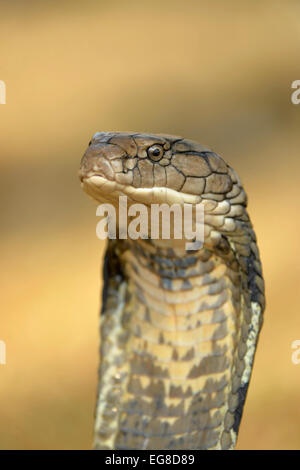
178	329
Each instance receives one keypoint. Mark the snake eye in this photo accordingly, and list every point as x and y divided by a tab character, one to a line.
155	152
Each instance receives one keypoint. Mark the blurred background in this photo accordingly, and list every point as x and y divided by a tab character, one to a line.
217	72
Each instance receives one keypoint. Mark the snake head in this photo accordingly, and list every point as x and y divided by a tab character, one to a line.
153	168
158	169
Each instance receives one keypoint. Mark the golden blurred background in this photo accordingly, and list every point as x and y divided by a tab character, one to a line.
217	72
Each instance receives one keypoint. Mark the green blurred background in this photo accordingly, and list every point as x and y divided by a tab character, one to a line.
217	72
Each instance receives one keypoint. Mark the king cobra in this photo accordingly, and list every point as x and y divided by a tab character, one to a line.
178	327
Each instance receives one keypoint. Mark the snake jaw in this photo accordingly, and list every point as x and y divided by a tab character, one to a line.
101	189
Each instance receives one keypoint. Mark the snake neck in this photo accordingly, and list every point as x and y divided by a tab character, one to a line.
171	348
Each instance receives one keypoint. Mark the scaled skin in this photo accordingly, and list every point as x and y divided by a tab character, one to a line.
178	328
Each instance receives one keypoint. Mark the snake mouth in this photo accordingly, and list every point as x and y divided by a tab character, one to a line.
103	190
95	166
